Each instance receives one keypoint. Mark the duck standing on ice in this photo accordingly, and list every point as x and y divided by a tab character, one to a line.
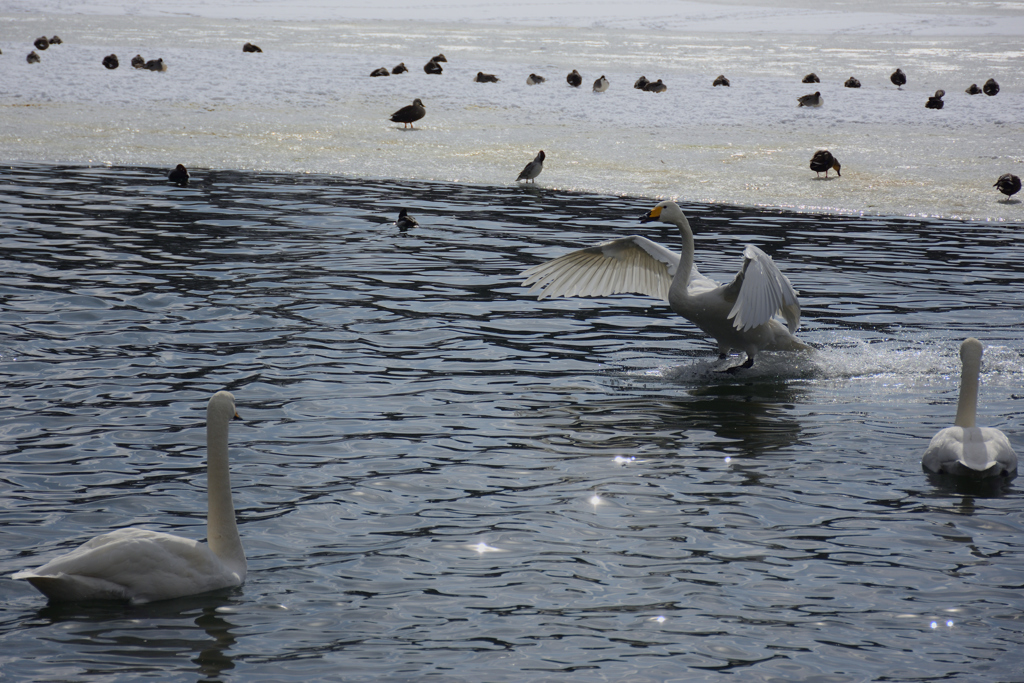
532	169
814	100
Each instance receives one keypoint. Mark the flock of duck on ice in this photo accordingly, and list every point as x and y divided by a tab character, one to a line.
140	566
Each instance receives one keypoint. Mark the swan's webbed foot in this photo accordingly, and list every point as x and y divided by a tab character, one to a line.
748	363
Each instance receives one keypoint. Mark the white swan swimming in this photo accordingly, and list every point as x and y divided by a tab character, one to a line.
739	315
965	449
143	566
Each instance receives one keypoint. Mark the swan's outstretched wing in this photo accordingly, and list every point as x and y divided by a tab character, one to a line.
628	265
760	290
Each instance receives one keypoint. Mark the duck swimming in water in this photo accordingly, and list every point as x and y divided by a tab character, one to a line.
534	79
739	315
721	80
574	79
601	84
179	176
405	221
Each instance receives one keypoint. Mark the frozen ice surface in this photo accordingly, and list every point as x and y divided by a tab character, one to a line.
307	103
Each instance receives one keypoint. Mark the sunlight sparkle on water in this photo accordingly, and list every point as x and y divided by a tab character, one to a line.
482	548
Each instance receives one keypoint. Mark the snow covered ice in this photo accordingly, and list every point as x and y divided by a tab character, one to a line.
307	103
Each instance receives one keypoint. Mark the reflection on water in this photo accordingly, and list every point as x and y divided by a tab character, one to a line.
111	639
439	476
742	418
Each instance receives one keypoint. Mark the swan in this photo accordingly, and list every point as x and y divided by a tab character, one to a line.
142	566
739	315
965	449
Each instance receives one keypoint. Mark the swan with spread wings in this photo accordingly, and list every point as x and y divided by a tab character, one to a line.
740	315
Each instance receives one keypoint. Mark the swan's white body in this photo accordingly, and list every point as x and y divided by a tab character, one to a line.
965	449
739	315
142	566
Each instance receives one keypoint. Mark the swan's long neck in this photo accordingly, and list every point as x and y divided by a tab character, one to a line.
967	405
685	257
221	530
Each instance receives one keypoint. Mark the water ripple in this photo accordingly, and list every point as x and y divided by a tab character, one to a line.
439	476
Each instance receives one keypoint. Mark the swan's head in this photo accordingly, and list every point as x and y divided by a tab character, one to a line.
666	212
222	405
970	351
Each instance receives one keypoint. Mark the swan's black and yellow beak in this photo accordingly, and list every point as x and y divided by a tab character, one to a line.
237	416
653	215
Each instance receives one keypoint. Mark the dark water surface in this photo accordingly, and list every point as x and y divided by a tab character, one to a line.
440	478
